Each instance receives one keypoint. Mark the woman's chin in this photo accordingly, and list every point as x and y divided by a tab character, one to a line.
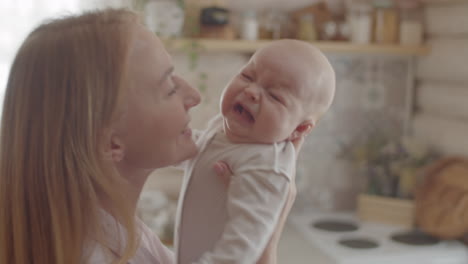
189	151
192	153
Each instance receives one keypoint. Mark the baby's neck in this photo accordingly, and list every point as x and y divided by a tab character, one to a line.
235	139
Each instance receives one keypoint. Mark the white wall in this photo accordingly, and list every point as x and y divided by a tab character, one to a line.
19	17
442	93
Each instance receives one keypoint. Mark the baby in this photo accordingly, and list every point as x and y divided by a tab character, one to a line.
276	98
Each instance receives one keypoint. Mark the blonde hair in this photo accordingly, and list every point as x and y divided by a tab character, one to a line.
63	91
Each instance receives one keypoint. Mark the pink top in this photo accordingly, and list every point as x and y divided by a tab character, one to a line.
150	249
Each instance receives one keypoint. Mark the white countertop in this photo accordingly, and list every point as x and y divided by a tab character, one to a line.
302	244
294	249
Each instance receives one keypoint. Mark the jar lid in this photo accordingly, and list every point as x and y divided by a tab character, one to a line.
360	5
249	13
409	4
383	3
307	17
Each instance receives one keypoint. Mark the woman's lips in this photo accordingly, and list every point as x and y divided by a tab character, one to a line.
187	132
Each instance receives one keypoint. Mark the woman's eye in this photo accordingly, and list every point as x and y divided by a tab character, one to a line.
173	86
173	91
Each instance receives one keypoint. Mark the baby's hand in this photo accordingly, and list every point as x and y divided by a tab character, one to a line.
223	171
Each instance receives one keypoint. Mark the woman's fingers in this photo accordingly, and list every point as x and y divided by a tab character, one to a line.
269	255
298	142
223	171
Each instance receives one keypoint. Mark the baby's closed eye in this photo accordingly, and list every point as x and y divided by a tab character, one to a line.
246	77
275	97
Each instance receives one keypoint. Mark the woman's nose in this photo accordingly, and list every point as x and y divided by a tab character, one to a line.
252	93
191	95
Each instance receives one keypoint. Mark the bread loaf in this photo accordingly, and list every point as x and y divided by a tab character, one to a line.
442	199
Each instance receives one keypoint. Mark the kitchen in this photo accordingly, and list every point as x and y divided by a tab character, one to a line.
398	86
402	80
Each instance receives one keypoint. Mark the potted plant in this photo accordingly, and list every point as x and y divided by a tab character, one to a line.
391	168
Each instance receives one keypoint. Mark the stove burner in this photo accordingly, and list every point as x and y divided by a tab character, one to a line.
358	243
415	237
335	225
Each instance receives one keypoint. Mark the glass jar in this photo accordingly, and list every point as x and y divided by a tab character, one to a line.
307	30
386	22
411	23
360	20
330	31
249	25
272	24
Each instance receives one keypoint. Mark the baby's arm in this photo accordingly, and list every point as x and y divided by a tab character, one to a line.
255	200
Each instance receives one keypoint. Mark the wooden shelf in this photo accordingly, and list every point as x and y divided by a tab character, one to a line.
444	2
243	46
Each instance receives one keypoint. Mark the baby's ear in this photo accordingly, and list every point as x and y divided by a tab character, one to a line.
302	130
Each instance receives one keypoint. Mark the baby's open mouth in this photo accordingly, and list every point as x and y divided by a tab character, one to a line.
244	112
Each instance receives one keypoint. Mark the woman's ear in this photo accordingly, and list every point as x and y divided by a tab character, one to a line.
114	148
302	130
117	149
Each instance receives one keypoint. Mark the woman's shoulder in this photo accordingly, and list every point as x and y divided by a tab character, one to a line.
96	253
150	249
150	241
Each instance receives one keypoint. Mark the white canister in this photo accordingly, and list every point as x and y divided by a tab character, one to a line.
360	20
411	25
249	25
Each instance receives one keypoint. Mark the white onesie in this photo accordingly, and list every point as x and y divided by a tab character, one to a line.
219	224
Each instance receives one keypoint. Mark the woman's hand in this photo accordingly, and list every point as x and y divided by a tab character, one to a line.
223	171
298	142
270	253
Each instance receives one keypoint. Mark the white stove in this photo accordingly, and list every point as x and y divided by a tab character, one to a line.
357	242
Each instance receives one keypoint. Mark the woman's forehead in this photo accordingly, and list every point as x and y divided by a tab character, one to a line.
145	43
147	57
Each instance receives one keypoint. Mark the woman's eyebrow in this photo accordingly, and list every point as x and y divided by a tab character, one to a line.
165	75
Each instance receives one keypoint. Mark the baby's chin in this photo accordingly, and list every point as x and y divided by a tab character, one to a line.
251	139
238	134
266	140
236	138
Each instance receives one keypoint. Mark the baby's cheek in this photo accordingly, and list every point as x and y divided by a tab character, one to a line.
273	129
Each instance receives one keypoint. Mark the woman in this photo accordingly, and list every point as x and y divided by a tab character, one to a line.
92	106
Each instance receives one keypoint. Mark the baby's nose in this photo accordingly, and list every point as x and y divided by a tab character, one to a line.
252	93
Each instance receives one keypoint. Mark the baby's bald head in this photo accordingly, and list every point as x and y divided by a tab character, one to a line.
312	73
